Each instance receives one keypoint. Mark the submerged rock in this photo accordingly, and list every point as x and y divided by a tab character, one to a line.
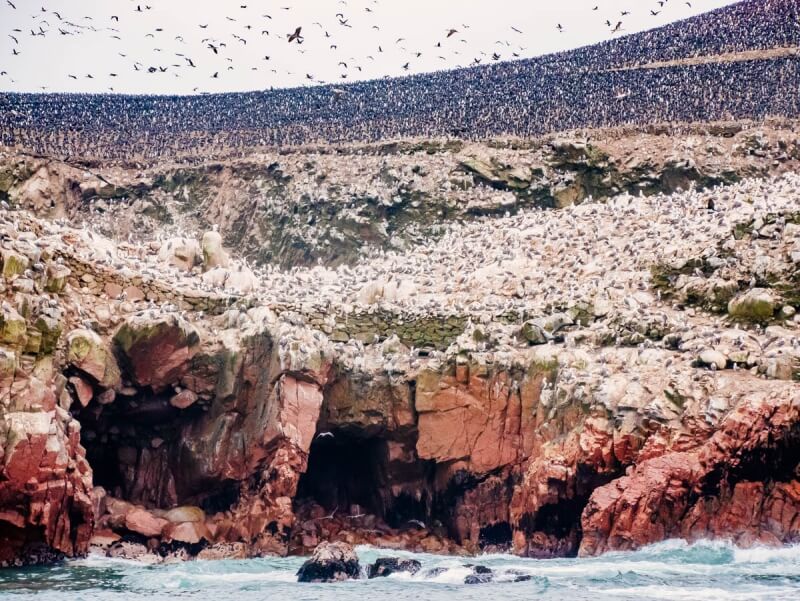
330	562
386	566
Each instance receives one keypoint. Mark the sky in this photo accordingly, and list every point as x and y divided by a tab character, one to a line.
198	46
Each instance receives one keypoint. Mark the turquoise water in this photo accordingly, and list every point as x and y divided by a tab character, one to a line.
671	570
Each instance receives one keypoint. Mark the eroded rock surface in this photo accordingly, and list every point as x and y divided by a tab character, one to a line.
531	382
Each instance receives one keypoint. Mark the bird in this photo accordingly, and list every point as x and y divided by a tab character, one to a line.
295	36
325	435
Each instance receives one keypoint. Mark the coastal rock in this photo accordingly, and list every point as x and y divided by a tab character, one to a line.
330	562
386	566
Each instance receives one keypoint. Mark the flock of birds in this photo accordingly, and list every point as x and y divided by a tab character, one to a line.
247	28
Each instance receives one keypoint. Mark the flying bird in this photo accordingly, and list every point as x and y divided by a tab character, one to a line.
295	36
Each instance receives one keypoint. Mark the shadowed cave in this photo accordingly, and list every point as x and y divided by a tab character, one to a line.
353	473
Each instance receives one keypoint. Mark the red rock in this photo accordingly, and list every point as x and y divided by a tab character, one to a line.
186	532
143	522
184	399
83	390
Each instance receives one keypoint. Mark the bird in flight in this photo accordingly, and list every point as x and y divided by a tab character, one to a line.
295	36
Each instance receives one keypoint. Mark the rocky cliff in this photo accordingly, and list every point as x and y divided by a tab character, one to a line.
469	359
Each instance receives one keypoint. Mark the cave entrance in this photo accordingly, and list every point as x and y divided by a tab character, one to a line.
128	445
353	473
345	473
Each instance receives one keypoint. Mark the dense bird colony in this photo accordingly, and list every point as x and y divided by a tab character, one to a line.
672	74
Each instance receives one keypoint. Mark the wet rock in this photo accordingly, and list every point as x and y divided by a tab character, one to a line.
480	575
386	566
330	562
135	551
223	551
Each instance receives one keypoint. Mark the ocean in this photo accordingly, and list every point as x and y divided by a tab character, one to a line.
672	570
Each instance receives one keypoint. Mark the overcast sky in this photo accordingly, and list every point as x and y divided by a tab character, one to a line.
377	38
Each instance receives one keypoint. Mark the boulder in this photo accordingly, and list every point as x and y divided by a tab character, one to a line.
12	263
386	566
533	333
56	278
143	522
186	532
757	305
186	513
330	562
87	353
480	575
184	399
157	351
13	329
213	253
713	359
183	253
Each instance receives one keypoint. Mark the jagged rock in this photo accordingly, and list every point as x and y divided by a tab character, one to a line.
156	351
330	562
386	566
45	486
87	352
757	305
213	253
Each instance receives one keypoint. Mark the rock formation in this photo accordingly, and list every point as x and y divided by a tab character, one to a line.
552	381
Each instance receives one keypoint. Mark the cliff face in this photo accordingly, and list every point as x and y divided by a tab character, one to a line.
558	382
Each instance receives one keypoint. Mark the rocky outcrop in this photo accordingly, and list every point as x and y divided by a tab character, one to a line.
330	562
531	383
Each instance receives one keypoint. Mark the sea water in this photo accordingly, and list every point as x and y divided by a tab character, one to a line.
670	570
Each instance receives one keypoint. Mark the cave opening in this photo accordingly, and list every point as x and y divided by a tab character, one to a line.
495	536
353	473
128	445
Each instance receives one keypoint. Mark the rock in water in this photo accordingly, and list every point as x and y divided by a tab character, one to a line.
480	575
386	566
330	562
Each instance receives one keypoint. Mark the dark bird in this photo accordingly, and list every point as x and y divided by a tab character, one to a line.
11	4
295	36
451	32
